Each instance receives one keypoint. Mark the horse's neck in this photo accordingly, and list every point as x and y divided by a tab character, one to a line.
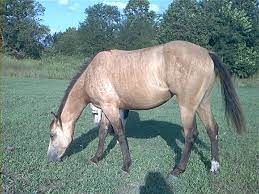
75	102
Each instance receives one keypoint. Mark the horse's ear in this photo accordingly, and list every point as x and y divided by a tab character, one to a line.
57	119
54	116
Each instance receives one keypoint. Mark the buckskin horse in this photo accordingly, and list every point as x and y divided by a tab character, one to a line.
144	79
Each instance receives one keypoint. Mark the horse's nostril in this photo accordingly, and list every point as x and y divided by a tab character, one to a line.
53	156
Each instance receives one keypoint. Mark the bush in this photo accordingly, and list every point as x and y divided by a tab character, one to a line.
246	61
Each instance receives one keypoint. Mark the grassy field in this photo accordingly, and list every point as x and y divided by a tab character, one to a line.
50	67
155	141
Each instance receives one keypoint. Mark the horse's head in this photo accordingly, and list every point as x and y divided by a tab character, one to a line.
60	138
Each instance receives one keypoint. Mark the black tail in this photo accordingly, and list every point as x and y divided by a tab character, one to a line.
233	109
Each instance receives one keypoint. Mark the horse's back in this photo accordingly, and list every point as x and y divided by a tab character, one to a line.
148	77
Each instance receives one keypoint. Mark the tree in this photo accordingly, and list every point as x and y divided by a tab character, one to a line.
66	43
246	61
99	30
138	28
233	34
1	24
22	31
184	20
228	27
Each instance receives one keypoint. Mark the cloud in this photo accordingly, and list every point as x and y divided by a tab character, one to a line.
63	2
74	7
120	5
154	7
54	30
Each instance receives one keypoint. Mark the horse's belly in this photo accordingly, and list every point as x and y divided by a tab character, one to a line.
145	100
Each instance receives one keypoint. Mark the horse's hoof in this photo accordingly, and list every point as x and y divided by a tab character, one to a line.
125	169
215	167
215	172
171	178
126	165
94	160
125	172
176	171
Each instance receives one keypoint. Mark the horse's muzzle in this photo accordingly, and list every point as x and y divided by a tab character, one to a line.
53	155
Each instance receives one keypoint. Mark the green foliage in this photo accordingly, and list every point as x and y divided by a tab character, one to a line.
99	30
137	8
232	29
66	43
246	61
238	18
184	20
228	27
222	26
1	24
106	28
138	28
22	32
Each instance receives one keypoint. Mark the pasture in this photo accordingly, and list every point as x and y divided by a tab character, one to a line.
155	142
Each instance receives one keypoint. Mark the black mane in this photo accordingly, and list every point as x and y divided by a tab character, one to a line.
70	86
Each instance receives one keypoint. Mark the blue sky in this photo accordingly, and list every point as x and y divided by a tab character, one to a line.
61	14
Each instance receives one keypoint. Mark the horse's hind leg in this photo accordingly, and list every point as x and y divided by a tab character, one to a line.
113	115
190	132
102	135
205	114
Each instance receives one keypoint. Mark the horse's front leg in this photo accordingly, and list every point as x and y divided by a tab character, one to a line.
113	115
102	135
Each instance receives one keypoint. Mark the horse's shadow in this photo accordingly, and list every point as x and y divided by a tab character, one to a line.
155	183
171	133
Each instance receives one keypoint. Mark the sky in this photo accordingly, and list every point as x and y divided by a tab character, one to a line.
61	14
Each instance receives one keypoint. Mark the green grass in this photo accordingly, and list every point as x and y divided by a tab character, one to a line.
52	67
155	141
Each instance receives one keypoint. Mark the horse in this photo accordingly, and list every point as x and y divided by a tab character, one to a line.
144	79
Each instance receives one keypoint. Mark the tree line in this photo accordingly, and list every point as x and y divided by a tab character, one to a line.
228	27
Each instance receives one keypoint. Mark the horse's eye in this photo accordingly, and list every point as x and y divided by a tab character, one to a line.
52	135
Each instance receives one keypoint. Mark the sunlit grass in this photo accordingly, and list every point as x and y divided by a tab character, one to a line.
52	67
155	141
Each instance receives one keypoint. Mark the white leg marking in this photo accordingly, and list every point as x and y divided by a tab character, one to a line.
214	166
97	114
98	117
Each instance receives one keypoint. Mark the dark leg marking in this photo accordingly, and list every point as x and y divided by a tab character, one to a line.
102	135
